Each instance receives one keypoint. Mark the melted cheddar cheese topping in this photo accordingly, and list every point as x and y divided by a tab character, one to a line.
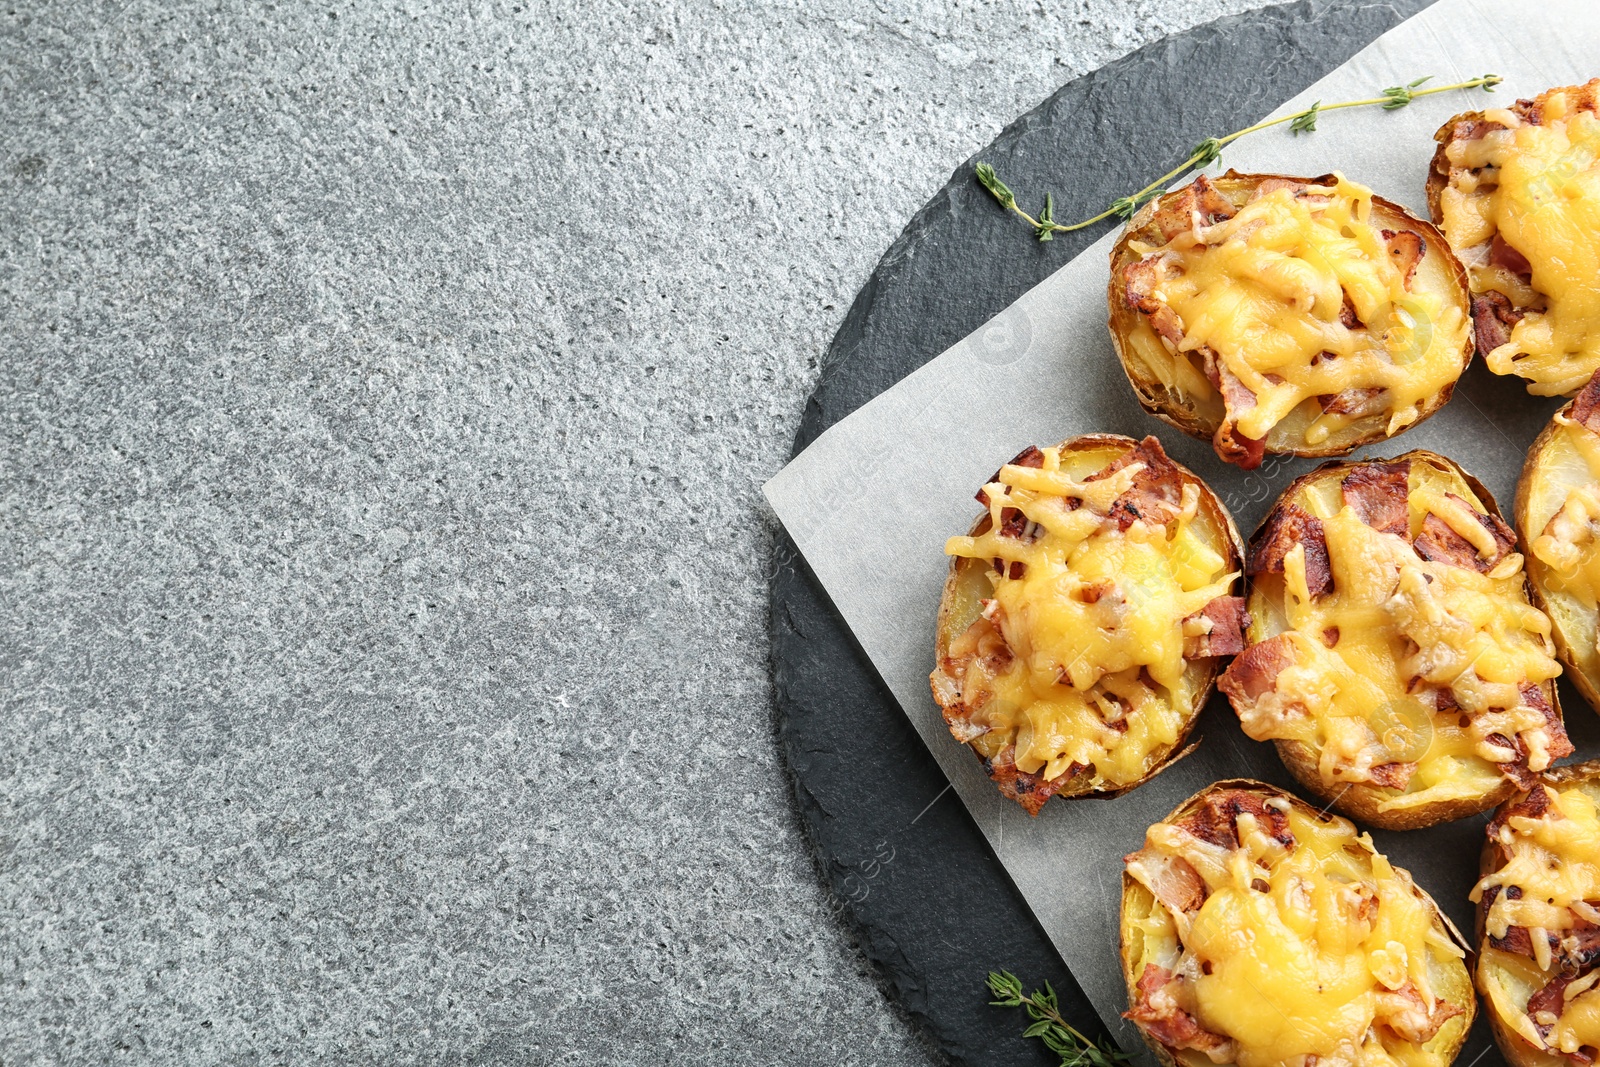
1265	290
1538	188
1094	623
1293	951
1567	546
1399	626
1549	883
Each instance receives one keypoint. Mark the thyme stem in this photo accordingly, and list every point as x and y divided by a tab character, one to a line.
1207	151
1058	1035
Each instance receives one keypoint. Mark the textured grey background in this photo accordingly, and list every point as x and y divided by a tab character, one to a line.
384	393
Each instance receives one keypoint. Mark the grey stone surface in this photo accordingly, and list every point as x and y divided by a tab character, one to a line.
384	393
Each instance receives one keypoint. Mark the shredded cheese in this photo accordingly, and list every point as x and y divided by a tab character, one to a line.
1094	623
1264	291
1547	884
1538	188
1405	626
1293	950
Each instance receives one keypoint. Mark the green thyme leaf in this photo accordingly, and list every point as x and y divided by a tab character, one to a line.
1205	153
997	188
1306	121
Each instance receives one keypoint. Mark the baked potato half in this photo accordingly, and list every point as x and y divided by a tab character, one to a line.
1290	315
1538	921
1083	618
1395	658
1257	930
1516	191
1558	516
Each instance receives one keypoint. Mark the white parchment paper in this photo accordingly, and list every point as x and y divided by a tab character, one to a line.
1043	370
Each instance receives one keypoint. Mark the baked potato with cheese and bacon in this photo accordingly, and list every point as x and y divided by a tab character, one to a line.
1268	313
1395	658
1538	921
1558	515
1085	616
1259	931
1516	192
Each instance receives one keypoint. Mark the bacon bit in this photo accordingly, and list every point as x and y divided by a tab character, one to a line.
1229	617
1551	999
1347	315
1215	819
1093	592
1028	457
1393	775
1560	745
1585	410
1156	492
1501	254
1139	292
1532	806
1406	1014
1356	402
1272	185
1170	878
1197	204
1029	790
1254	672
1493	316
1378	493
1406	249
1439	543
1155	1008
1287	526
1232	446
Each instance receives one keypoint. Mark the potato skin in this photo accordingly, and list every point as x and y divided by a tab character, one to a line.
1517	1051
1218	517
1361	800
1585	681
1136	897
1184	413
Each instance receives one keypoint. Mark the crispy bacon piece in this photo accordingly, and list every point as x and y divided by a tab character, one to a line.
1028	457
1501	254
1197	204
1140	280
1393	775
1560	744
1252	675
1347	315
1378	493
1271	185
1492	318
1229	619
1156	492
1288	526
1532	806
1406	250
1215	819
1406	1014
1439	543
1157	1010
1232	446
1585	409
1577	948
1029	790
1170	878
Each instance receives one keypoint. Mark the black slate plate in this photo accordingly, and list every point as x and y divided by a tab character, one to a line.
930	903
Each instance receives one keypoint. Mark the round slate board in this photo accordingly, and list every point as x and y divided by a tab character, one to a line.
930	903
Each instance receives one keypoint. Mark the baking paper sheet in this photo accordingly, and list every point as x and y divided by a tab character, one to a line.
1043	370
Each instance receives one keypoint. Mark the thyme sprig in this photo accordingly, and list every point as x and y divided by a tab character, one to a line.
1057	1035
1045	227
